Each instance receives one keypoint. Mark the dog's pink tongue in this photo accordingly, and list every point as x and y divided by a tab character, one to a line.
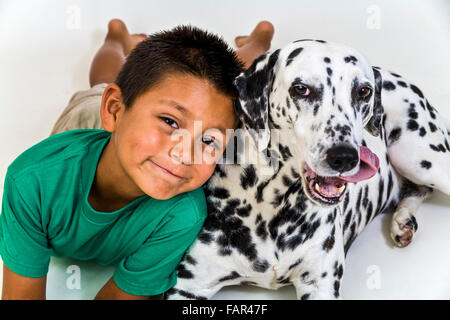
368	166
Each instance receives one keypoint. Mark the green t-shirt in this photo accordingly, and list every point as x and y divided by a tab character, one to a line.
45	212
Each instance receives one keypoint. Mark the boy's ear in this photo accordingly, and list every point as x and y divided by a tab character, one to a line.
112	107
254	86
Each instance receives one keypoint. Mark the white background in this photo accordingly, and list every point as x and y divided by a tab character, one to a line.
46	48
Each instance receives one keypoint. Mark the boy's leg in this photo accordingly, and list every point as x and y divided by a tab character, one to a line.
252	46
82	111
111	56
119	42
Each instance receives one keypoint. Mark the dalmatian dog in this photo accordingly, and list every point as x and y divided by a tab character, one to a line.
352	141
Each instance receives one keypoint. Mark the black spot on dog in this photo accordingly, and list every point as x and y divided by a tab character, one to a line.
261	230
413	125
422	132
185	294
388	85
422	104
321	41
395	134
328	244
437	148
346	201
432	126
292	55
283	280
305	296
338	270
316	109
230	207
260	189
326	60
220	193
296	263
190	260
347	220
350	59
425	164
416	90
248	177
344	130
329	71
395	75
183	273
303	40
365	200
412	223
431	110
402	84
337	285
390	183
380	196
285	152
260	266
205	237
244	211
233	275
412	111
369	212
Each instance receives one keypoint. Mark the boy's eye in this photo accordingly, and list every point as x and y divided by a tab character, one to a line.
209	141
170	122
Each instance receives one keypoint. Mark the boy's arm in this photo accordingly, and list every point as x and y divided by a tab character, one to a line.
17	287
111	291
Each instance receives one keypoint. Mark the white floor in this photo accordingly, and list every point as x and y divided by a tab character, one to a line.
46	48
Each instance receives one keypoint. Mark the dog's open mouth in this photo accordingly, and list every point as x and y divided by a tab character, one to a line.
330	190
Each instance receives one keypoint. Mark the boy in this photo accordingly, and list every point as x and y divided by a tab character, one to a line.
127	195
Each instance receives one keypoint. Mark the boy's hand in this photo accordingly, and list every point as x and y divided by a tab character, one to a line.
17	287
111	291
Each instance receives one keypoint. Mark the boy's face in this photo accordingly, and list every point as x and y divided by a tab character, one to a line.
159	162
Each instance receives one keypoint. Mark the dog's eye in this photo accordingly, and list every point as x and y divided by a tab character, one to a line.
301	90
364	92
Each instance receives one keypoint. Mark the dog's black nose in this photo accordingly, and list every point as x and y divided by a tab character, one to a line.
342	158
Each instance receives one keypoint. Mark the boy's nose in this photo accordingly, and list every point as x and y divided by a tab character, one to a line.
183	152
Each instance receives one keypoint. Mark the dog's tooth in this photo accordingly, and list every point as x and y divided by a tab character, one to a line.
341	189
317	187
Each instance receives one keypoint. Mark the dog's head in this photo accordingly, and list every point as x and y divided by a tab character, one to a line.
320	96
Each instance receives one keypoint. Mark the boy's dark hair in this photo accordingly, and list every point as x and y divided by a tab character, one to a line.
185	50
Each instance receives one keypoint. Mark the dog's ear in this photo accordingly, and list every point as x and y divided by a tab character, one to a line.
254	86
374	123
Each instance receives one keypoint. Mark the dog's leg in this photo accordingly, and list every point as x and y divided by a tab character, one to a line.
322	279
202	273
184	291
404	224
417	136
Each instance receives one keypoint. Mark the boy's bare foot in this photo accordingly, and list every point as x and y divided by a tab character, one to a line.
117	31
252	46
111	56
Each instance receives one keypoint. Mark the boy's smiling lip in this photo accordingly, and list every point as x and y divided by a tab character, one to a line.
165	170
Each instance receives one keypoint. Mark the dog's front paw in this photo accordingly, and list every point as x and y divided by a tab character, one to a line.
403	230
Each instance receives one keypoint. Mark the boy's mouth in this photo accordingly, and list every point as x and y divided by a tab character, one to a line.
164	170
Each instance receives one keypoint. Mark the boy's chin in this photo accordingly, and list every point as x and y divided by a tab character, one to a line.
163	192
